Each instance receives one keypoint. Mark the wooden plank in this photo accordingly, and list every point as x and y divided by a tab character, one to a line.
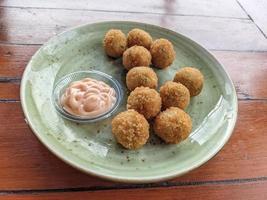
248	72
221	8
35	26
244	156
257	10
14	58
251	191
9	91
26	163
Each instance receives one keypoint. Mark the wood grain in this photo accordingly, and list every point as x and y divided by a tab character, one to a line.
14	58
181	7
248	71
27	164
257	10
29	171
251	191
244	68
35	26
9	91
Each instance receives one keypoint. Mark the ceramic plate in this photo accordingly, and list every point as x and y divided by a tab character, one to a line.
91	147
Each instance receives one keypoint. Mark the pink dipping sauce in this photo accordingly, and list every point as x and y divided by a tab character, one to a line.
88	97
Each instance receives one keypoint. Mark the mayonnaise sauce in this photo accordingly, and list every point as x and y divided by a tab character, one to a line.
88	97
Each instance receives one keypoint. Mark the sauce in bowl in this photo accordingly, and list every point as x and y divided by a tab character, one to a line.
88	98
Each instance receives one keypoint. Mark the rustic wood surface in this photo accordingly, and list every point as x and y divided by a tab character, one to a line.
257	12
181	7
243	157
213	32
219	191
235	31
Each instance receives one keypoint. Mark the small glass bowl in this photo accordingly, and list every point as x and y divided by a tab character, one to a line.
64	82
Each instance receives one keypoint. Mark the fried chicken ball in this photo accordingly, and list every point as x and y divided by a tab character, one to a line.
139	37
191	78
174	95
173	125
130	129
115	43
162	53
145	100
141	76
136	56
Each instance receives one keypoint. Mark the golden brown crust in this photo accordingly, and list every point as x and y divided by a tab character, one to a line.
173	125
174	95
130	129
141	76
162	53
136	56
145	100
139	37
115	43
191	78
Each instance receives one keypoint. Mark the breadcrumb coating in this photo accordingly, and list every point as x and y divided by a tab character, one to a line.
173	125
141	76
139	37
191	78
162	53
115	43
174	95
130	129
145	100
136	56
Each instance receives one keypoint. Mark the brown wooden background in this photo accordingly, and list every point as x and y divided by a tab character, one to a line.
235	31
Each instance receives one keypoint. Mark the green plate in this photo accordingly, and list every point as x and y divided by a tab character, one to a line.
91	147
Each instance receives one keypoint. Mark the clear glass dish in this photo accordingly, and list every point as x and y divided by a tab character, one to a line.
64	82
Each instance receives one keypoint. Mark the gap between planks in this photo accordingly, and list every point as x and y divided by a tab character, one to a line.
249	16
125	12
139	186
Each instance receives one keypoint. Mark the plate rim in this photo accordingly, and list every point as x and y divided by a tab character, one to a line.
125	179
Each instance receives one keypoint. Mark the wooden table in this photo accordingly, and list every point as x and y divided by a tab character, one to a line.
235	31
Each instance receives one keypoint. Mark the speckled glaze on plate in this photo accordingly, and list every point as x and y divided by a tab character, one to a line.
91	147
